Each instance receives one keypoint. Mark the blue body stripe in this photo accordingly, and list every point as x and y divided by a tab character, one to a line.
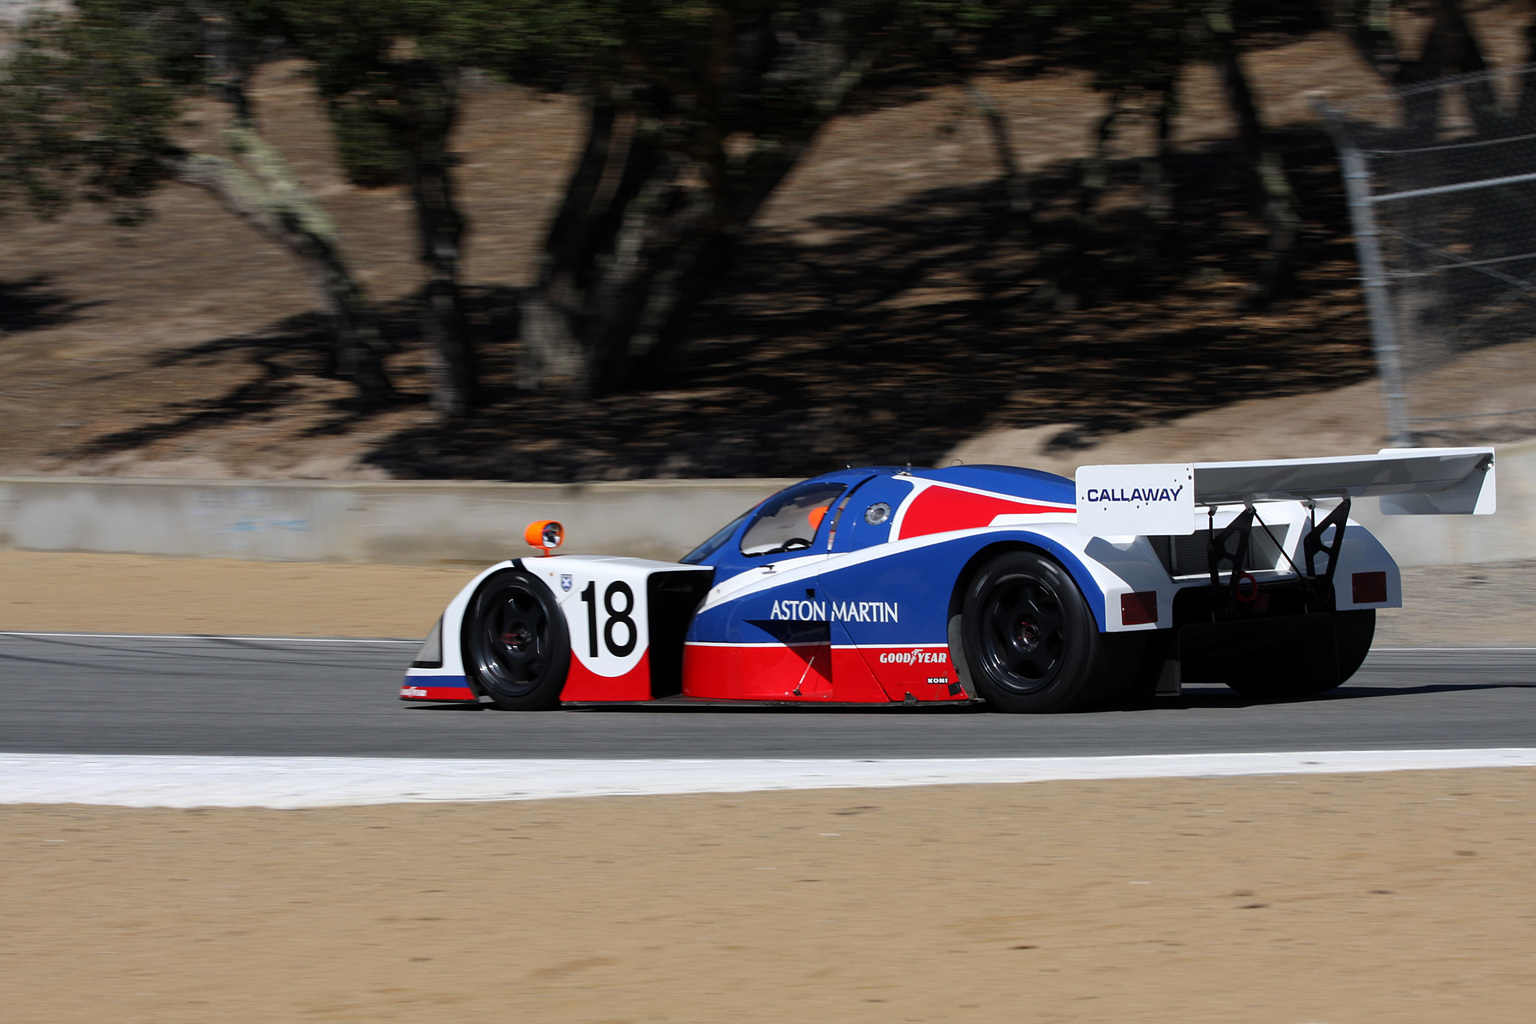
440	682
901	598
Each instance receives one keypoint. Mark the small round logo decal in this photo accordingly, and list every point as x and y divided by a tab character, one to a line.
877	513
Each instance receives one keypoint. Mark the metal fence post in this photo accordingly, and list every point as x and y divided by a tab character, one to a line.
1362	216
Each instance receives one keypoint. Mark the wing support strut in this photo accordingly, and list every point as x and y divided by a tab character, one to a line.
1313	544
1219	551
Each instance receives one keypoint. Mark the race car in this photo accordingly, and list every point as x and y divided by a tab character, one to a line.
1022	589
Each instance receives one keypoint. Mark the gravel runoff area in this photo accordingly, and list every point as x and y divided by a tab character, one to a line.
1490	604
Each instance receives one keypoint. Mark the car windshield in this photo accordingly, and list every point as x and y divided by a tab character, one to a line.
788	521
699	554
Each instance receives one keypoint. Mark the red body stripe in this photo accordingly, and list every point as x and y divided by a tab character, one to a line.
415	691
818	671
581	683
924	672
939	509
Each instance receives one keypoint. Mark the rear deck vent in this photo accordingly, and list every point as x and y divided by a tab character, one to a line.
1186	556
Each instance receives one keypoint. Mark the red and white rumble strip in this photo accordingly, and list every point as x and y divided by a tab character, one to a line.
293	782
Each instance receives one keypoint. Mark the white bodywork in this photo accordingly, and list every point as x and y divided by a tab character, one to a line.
619	645
605	604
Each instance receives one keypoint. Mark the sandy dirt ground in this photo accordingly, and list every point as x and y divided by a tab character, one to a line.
145	594
1448	606
1399	897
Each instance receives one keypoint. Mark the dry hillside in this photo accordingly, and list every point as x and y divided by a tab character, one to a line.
877	313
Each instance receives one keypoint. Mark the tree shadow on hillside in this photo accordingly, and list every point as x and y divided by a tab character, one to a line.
901	332
31	304
289	357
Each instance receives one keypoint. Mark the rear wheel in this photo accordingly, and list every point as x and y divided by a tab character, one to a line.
1356	629
1353	631
1030	643
516	646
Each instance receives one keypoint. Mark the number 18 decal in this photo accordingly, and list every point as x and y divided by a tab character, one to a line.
618	602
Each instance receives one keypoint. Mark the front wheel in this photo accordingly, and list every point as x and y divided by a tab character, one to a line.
516	647
1030	642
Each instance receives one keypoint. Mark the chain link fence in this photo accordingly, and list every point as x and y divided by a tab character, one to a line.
1441	179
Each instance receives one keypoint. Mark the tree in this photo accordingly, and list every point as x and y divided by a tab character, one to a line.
390	74
1137	52
92	100
695	115
1449	47
1262	162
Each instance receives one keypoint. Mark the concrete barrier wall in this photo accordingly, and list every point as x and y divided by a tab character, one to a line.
410	523
421	523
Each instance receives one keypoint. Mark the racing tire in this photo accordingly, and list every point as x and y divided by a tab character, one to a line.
1353	632
517	649
1030	643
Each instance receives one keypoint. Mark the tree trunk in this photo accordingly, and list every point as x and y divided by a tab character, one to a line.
1156	177
1095	174
428	108
554	315
1016	201
273	200
1157	180
1526	108
269	198
1450	47
1368	25
637	242
1464	56
621	263
1262	165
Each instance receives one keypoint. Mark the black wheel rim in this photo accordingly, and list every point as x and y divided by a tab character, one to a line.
512	640
1022	633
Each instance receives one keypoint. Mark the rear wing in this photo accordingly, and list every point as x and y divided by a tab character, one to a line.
1162	499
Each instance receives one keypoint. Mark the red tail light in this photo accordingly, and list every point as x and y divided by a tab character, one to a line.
1369	587
1136	609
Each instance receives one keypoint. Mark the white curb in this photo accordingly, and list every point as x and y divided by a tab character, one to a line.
293	782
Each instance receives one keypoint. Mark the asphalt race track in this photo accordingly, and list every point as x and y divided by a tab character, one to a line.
257	697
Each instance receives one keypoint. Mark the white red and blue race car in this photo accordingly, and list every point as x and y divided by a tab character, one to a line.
971	583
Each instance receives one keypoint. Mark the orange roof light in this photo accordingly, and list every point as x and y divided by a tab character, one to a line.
545	534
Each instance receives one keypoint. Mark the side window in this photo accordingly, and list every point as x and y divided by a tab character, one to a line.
788	522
